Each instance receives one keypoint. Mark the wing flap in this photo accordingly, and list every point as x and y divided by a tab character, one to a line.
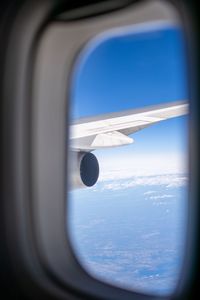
102	140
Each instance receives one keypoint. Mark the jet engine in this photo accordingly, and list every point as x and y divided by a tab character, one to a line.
84	169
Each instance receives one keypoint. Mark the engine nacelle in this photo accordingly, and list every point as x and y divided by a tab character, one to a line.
84	169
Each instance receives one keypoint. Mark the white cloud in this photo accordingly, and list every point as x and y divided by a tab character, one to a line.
178	182
167	180
161	197
149	193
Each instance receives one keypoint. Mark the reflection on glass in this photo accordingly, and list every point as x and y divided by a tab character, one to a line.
128	157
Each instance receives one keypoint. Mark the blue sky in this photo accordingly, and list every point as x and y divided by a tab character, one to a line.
134	69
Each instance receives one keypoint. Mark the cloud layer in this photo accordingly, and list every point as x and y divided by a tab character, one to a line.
168	180
125	167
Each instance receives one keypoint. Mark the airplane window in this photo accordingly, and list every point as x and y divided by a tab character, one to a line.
128	164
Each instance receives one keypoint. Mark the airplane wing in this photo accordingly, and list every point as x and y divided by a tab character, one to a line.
113	129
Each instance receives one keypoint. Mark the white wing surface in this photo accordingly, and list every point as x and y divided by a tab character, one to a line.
113	129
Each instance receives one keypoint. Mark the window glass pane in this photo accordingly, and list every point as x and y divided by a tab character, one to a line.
127	204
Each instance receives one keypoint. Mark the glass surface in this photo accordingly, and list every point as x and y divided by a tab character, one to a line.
129	125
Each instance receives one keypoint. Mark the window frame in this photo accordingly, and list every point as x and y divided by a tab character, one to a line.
40	139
